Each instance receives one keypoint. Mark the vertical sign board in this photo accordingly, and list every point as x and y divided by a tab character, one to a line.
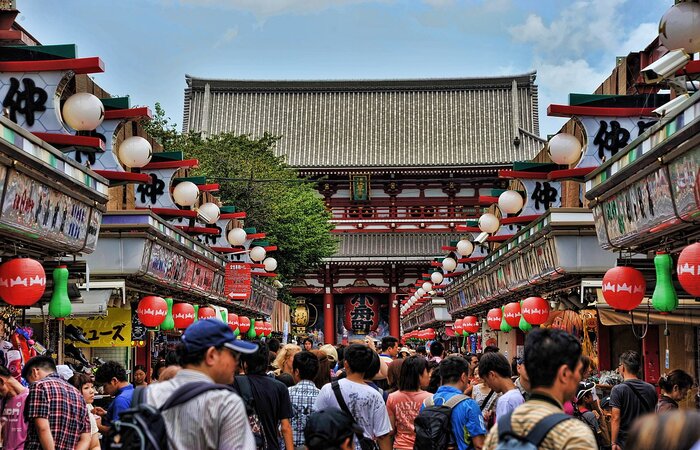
237	284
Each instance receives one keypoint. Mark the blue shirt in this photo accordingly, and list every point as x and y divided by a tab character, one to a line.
466	417
121	402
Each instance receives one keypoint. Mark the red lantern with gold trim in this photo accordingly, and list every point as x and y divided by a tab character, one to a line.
471	324
494	317
152	310
512	314
535	310
183	315
624	288
22	281
688	269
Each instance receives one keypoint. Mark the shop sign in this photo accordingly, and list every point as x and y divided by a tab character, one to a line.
608	135
237	284
170	267
112	330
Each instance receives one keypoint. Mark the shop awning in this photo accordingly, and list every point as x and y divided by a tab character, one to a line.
688	313
94	303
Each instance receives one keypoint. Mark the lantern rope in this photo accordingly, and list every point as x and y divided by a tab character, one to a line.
667	354
644	328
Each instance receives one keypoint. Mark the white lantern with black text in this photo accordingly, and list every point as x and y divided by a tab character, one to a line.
427	286
489	223
436	277
465	247
510	202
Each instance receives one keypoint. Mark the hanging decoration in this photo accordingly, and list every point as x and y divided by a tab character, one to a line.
624	288
524	325
183	315
494	318
59	306
471	324
505	327
243	324
268	329
22	281
688	269
233	322
458	327
253	332
152	311
361	313
664	299
168	323
511	314
206	312
535	310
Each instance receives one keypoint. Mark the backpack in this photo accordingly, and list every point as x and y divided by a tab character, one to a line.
246	393
364	442
508	440
142	427
433	425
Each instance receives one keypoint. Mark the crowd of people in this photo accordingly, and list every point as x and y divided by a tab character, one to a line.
220	392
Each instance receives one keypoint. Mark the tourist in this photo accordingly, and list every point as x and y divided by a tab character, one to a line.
139	376
630	399
56	412
323	375
674	388
216	419
112	377
584	408
522	382
404	404
434	383
437	351
553	363
361	401
390	349
304	393
473	361
394	375
330	429
308	344
283	361
84	384
675	430
14	397
495	371
371	380
273	346
485	397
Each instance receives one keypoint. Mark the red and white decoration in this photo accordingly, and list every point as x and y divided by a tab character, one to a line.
22	281
535	310
688	269
152	311
471	324
233	321
183	315
512	314
494	317
206	312
624	288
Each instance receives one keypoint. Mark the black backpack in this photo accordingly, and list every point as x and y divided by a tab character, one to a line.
508	440
433	425
142	426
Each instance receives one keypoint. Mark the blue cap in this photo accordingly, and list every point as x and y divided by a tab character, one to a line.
207	333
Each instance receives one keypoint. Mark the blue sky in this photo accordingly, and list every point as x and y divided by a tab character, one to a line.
149	45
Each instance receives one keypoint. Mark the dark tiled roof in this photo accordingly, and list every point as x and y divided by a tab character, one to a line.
392	246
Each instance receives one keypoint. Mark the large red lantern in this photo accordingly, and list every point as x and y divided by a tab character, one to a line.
535	310
494	317
471	324
512	314
183	315
688	269
624	288
152	311
361	313
233	321
243	324
206	312
458	327
22	281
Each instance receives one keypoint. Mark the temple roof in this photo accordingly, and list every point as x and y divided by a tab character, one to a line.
376	123
363	247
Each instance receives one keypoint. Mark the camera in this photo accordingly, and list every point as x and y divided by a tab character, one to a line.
665	67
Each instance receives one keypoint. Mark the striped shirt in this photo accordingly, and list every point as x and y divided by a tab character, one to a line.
215	420
570	434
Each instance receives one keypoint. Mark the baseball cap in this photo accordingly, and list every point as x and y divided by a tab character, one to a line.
330	351
207	333
584	388
329	428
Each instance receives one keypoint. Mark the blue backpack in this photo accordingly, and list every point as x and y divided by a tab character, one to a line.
508	440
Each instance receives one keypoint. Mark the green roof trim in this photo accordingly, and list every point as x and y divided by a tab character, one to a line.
583	99
534	166
250	230
228	209
195	180
40	52
167	156
116	103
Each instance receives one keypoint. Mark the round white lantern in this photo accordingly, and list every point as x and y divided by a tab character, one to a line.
449	264
489	223
237	236
465	247
270	264
208	212
510	202
257	253
436	277
135	151
83	112
186	193
564	149
680	27
427	286
420	292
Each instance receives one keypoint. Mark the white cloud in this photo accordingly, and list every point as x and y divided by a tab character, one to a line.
638	39
268	8
229	35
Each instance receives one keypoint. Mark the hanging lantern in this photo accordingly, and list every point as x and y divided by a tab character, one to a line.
83	111
233	321
22	281
524	325
168	323
465	247
243	324
494	318
206	312
209	213
535	310
436	277
268	329
505	327
664	299
259	328
257	253
253	332
511	314
270	264
489	223
458	327
237	236
186	193
151	311
183	315
510	202
449	264
427	286
59	306
688	269
135	151
361	313
471	324
430	334
196	313
680	27
564	149
623	288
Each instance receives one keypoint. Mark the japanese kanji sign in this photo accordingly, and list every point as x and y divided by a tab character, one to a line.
112	330
237	285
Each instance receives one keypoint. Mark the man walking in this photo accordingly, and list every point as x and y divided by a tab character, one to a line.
303	394
630	399
14	396
56	411
495	371
216	419
112	377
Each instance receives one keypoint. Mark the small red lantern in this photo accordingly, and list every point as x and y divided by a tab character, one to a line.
233	321
535	310
206	313
268	329
22	281
458	327
430	334
624	288
471	324
512	314
688	269
494	317
259	328
243	324
152	311
183	315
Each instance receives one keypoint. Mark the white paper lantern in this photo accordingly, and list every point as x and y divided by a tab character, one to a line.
257	253
680	27
489	223
564	149
510	202
83	112
270	264
465	247
436	277
237	236
420	292
449	264
208	213
186	193
135	151
427	286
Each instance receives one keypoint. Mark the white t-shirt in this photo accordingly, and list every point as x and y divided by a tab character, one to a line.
508	402
366	406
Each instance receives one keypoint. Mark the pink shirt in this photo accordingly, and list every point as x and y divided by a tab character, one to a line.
403	407
14	428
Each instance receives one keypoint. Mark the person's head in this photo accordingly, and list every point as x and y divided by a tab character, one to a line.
38	368
605	405
273	345
323	376
584	393
305	366
676	384
677	430
522	374
209	346
390	346
283	361
414	374
330	429
404	352
374	367
84	384
139	374
491	349
437	349
393	374
330	352
473	360
553	362
454	370
8	385
358	358
494	369
308	344
256	363
111	376
630	364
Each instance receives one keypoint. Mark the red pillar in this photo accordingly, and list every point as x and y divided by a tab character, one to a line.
394	320
328	317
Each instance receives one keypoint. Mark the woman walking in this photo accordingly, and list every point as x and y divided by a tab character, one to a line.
404	405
